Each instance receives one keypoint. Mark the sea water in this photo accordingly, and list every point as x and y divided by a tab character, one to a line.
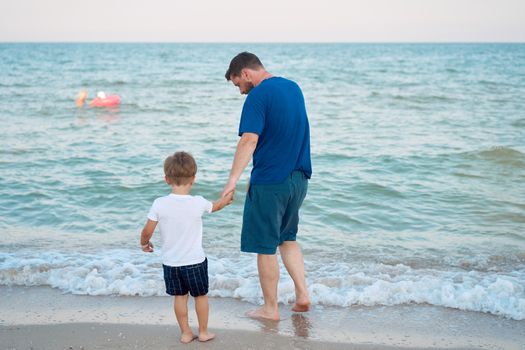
418	187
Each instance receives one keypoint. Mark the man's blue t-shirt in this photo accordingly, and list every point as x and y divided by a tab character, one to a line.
275	111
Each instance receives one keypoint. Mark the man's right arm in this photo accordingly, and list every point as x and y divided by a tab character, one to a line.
243	156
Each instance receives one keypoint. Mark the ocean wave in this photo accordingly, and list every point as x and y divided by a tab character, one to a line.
463	174
424	99
16	85
123	272
503	155
519	123
375	189
105	83
498	152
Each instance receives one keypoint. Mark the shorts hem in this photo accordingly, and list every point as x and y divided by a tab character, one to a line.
266	251
174	294
288	240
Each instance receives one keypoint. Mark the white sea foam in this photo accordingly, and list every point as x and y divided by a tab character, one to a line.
124	272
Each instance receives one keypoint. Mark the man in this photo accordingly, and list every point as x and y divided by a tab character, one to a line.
274	130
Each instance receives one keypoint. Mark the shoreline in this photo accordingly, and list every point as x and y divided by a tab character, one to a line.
45	318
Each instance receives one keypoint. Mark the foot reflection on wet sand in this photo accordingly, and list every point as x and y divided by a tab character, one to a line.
301	325
269	326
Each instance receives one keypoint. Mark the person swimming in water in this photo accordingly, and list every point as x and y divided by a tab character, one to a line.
102	100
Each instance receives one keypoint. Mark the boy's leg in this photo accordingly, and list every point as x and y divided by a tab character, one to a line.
181	312
202	310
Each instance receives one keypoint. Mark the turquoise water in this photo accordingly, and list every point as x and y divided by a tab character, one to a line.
418	154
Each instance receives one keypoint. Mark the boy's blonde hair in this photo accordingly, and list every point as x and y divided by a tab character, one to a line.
180	168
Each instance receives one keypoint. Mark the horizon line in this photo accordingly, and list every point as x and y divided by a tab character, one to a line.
261	42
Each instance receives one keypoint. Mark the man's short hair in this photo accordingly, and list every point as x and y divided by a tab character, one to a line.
241	61
180	168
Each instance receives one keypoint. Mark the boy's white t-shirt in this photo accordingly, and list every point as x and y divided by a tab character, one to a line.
179	219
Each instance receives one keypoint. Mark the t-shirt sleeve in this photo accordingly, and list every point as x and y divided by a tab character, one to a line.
153	212
252	116
205	204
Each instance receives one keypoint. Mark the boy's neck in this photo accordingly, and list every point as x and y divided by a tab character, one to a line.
181	190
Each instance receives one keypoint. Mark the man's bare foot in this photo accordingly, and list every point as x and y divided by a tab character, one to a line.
186	338
263	313
301	305
206	336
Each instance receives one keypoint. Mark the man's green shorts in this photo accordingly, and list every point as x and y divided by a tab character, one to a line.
271	214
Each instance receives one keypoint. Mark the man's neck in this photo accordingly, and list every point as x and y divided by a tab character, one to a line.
260	76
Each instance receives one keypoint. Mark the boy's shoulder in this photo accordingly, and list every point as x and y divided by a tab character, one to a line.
179	198
161	198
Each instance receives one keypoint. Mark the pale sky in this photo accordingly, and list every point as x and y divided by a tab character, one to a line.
262	21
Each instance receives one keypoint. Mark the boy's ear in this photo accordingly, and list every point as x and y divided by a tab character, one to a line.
167	180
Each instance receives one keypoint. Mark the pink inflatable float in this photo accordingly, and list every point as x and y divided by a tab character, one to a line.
100	101
107	101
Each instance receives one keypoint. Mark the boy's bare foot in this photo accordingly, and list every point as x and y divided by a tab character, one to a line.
301	305
206	336
186	338
263	313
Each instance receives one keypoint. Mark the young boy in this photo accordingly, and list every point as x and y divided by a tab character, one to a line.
179	216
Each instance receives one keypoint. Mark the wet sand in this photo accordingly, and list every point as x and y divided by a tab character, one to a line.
44	318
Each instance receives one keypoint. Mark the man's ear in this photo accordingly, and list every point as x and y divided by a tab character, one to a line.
245	74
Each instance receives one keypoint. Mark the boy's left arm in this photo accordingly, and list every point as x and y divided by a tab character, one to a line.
146	234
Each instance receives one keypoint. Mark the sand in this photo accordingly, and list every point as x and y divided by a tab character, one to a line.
45	318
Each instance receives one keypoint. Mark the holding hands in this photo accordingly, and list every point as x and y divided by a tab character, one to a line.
226	199
148	247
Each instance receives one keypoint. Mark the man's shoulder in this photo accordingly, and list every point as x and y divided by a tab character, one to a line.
274	82
271	87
